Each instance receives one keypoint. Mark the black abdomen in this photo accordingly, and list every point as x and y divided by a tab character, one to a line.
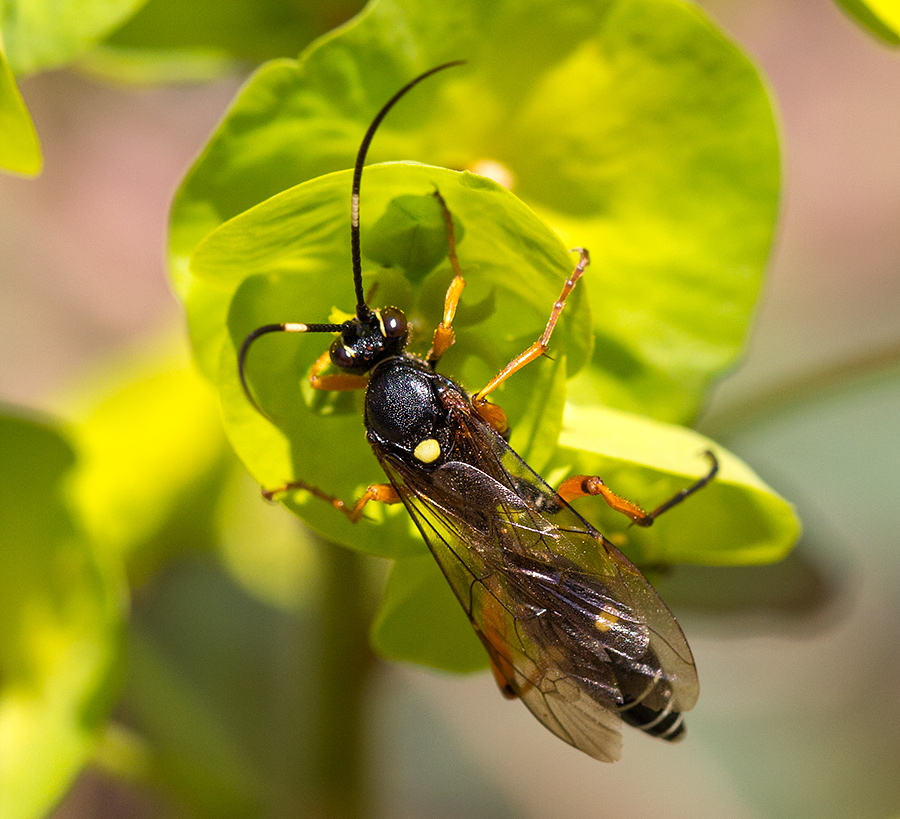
665	724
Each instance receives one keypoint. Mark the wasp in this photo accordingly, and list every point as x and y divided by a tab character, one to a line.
571	627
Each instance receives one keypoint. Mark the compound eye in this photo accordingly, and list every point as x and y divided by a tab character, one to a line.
394	322
341	356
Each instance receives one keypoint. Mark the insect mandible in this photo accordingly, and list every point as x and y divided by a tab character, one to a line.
570	625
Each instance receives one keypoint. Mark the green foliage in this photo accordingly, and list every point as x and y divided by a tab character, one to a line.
41	34
648	459
60	605
170	40
157	491
20	150
151	452
420	620
143	42
411	235
879	17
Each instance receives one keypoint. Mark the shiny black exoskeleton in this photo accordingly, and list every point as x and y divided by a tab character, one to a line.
364	342
403	409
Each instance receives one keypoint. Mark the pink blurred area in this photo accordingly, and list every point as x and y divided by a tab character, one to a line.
82	267
833	289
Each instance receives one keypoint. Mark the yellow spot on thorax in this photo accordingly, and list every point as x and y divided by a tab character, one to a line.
428	451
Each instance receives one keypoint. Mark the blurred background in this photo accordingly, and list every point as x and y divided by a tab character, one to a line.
800	669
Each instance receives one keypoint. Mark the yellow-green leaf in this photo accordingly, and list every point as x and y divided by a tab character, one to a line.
61	610
879	17
20	150
736	519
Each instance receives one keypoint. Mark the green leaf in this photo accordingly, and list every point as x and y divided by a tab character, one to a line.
263	547
61	614
20	150
196	750
421	621
264	269
634	128
736	519
878	17
411	235
169	40
226	690
41	34
152	454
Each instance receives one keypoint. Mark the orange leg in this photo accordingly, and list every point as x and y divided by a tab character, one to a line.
580	485
443	334
380	492
495	416
338	382
539	347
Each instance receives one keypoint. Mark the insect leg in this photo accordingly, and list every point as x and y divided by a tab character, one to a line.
443	333
338	382
539	347
380	492
580	485
495	416
678	497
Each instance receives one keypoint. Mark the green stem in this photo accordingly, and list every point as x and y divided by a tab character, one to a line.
345	659
124	755
799	391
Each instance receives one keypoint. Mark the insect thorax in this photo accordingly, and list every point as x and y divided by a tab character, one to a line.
404	413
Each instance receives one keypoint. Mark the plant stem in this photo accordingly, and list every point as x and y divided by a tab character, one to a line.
344	660
123	754
799	391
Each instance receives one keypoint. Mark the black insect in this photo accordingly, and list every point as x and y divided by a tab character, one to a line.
571	627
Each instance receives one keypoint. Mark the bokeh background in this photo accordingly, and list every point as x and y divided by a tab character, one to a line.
800	711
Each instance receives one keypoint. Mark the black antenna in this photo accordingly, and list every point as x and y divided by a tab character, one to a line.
289	327
362	309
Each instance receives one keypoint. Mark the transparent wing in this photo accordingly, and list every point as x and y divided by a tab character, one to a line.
571	626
